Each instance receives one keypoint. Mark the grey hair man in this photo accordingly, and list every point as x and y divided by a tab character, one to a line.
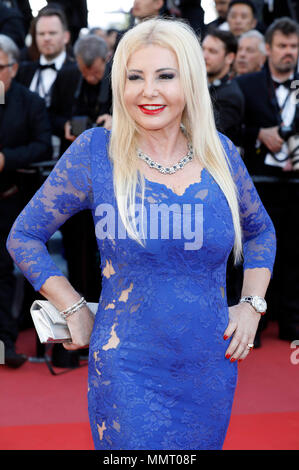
91	54
9	56
251	54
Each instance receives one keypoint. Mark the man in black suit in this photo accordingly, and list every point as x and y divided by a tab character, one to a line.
270	104
52	37
12	24
192	11
76	13
276	8
221	7
93	97
25	137
219	50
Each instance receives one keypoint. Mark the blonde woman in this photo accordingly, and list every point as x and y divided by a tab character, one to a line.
170	199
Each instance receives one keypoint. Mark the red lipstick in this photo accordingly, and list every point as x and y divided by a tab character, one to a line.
151	108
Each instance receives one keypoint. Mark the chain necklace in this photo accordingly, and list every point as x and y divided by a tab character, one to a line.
167	170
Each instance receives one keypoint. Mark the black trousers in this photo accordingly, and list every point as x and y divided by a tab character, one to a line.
9	209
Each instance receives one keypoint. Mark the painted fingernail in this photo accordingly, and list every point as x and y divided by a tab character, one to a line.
225	337
232	360
240	360
227	356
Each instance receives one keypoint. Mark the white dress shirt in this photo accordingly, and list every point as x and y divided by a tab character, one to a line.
43	80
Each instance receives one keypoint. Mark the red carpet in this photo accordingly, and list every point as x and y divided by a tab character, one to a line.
42	411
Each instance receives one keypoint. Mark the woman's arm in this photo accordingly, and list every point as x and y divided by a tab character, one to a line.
60	293
259	248
66	191
243	319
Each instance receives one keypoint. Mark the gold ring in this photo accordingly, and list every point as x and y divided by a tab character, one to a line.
250	345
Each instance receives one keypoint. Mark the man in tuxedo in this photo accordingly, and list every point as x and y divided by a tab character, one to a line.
25	137
270	104
219	50
52	37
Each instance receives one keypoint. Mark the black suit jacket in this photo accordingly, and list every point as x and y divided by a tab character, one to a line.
63	98
25	132
12	25
27	70
228	105
69	98
261	110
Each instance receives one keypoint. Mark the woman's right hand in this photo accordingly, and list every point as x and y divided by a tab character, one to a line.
80	325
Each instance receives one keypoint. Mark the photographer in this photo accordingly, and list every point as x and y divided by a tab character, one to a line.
93	99
270	108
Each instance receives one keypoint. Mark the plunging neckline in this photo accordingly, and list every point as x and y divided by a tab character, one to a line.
187	188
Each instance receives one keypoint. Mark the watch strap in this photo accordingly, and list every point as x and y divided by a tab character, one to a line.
249	299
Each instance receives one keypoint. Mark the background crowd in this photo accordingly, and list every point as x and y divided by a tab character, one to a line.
57	87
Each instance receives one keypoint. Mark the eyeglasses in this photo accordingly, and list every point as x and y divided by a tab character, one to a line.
3	66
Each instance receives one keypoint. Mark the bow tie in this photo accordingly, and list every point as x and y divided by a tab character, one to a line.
286	83
47	66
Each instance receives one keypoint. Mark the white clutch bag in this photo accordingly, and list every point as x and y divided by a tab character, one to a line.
50	326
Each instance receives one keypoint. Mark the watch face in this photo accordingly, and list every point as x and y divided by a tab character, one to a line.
259	304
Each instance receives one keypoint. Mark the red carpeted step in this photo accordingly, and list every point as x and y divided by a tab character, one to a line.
263	431
56	436
42	411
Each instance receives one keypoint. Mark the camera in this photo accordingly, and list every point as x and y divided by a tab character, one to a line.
290	134
80	124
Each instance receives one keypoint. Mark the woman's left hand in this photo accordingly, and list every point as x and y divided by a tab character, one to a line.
243	323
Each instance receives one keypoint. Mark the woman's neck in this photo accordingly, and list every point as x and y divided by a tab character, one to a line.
163	146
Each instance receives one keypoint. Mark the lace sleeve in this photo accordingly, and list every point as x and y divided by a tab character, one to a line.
65	192
259	240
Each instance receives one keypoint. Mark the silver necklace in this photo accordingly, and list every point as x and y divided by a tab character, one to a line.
167	170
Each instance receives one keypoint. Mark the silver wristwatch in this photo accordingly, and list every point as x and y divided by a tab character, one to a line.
258	303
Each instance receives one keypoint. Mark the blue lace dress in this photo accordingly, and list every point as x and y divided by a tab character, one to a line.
158	377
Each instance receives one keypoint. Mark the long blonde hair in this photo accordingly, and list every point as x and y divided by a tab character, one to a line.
198	118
